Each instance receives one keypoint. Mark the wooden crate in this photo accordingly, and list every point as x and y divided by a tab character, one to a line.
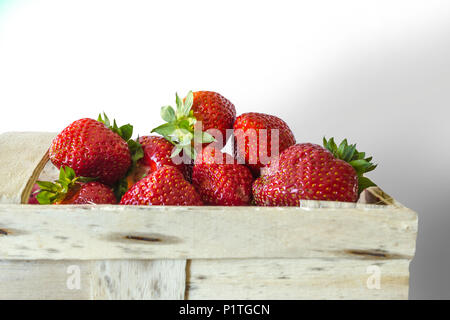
321	250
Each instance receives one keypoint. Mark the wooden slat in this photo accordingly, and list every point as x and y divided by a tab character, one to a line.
42	280
116	279
22	155
128	232
298	279
138	280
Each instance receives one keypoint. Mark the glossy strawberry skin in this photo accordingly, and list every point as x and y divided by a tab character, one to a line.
91	150
215	111
306	172
90	193
165	186
157	153
250	124
225	183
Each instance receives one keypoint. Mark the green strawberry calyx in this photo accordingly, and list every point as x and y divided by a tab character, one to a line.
356	159
55	192
180	128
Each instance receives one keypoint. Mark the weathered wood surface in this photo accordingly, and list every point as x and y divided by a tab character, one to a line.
22	155
99	280
138	280
298	279
206	279
129	232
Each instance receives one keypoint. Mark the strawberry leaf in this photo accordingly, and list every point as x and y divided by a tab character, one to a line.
53	192
168	114
165	129
120	188
126	131
45	197
179	103
188	102
179	126
364	183
136	150
356	159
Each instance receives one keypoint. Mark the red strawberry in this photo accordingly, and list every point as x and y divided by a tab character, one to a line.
165	186
220	180
215	111
250	142
91	193
212	109
34	191
69	189
310	172
157	153
92	149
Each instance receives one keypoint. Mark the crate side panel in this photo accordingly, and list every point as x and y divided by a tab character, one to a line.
102	280
42	280
139	280
298	279
124	232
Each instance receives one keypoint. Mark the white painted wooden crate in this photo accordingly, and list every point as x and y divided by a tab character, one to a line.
322	250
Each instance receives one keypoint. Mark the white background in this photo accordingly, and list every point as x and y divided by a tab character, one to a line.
376	72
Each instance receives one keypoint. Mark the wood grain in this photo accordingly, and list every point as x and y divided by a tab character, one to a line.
128	232
138	280
297	279
332	278
99	280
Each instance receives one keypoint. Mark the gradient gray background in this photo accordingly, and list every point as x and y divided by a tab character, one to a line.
376	72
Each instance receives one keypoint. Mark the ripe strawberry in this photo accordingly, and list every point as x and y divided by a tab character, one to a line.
220	180
69	189
157	153
215	111
251	142
95	149
34	191
165	186
211	108
310	172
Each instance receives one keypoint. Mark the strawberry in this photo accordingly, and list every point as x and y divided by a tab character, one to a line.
165	186
96	149
215	112
311	172
212	109
70	189
251	142
220	180
34	191
157	153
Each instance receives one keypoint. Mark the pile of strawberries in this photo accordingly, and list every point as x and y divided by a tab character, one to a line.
184	164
